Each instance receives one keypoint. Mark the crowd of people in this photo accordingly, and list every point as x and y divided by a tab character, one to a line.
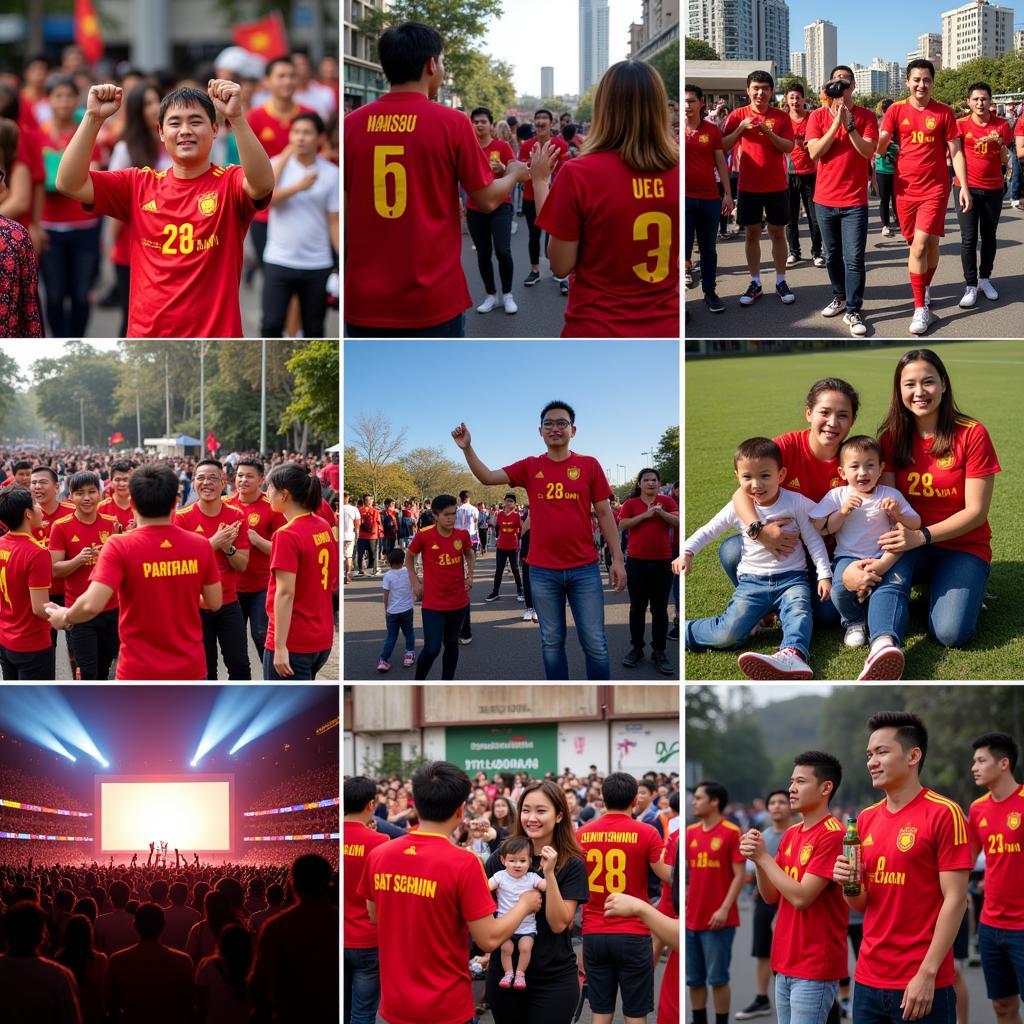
102	173
319	783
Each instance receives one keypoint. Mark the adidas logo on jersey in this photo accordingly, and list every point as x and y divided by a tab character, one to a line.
166	544
199	529
794	484
74	538
410	849
150	207
540	475
983	823
869	841
905	121
435	547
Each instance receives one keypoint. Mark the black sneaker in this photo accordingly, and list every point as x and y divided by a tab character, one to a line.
760	1007
662	664
531	278
492	597
713	302
751	295
563	286
465	640
784	292
635	656
673	630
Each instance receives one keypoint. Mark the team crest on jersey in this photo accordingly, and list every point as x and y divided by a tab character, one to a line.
929	123
267	134
104	536
1013	821
905	839
702	139
836	482
573	472
254	519
208	204
457	545
945	462
716	843
794	484
770	125
805	854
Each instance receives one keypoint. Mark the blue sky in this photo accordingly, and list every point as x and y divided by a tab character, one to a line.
625	393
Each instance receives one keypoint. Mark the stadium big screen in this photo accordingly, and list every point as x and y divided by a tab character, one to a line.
193	813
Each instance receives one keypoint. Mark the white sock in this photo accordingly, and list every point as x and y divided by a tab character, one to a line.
756	278
879	643
779	278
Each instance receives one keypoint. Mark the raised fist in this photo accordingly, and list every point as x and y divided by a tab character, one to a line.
226	96
104	100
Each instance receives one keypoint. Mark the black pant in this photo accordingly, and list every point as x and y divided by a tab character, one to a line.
483	539
801	189
227	627
650	582
483	228
440	628
279	285
35	665
466	630
512	558
124	274
254	611
527	592
887	199
369	546
982	217
388	543
550	999
258	234
95	644
530	210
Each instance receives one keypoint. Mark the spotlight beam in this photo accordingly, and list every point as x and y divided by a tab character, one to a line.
233	706
284	702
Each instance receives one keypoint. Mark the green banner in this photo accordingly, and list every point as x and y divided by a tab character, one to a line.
497	748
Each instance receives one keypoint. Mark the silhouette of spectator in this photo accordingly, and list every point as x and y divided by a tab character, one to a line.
221	995
88	966
87	906
116	931
275	899
202	938
178	919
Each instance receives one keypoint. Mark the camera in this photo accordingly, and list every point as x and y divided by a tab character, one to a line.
835	87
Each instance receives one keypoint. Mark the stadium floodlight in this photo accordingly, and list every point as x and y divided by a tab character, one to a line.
43	715
233	706
283	703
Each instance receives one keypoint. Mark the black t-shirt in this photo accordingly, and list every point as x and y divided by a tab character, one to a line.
552	954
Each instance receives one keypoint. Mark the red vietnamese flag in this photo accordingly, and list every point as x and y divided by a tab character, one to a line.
87	31
116	437
212	444
265	37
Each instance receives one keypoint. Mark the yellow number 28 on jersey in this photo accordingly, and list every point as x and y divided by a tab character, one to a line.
607	867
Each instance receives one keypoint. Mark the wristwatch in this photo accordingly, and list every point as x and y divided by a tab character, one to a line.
754	529
926	533
231	551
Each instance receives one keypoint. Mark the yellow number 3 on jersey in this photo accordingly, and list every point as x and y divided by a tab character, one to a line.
662	224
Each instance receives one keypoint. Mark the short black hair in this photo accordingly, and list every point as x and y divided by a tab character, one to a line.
760	76
715	791
559	405
509	495
463	495
673	800
313	118
515	844
277	60
55	82
999	745
439	788
210	462
795	87
187	96
910	730
256	464
396	556
648	785
695	89
443	501
121	466
619	791
920	62
22	464
842	67
544	110
149	921
776	792
84	478
15	501
757	448
404	49
861	443
826	768
45	469
983	86
358	792
154	489
482	111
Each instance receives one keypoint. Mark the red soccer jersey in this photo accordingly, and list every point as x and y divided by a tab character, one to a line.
982	152
306	547
124	516
30	153
922	136
509	527
195	520
24	567
843	173
802	163
272	131
495	150
626	282
360	931
649	539
997	826
903	852
668	1001
805	474
665	904
560	495
70	535
444	579
369	522
158	574
259	516
186	254
619	851
762	166
936	487
422	885
710	856
57	207
526	148
811	943
701	144
404	160
42	534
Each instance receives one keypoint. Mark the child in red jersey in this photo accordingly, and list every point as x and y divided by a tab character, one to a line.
188	223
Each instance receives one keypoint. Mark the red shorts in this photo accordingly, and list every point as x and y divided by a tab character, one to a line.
922	213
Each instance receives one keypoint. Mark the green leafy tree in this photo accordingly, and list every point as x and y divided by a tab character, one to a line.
666	63
585	107
486	82
666	455
80	380
315	396
789	81
697	49
432	472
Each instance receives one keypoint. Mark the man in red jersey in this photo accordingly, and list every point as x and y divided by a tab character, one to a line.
119	504
542	123
764	135
75	544
44	491
715	877
26	651
802	173
362	956
925	131
809	943
996	826
508	527
617	950
261	521
561	487
188	223
916	859
369	532
225	528
159	573
404	160
423	885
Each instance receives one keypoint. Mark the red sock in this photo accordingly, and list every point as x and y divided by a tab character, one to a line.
931	273
918	283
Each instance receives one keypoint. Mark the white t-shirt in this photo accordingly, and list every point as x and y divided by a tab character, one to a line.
466	518
397	581
350	517
859	535
509	890
297	235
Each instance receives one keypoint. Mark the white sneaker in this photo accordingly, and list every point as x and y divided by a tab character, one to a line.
923	319
515	226
491	302
886	232
970	297
791	260
536	617
885	662
510	304
928	296
785	664
855	322
1015	203
985	286
835	307
856	635
528	615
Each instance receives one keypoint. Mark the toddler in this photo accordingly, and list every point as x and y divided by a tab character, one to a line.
510	883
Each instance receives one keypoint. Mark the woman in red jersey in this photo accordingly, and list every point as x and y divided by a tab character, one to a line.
303	568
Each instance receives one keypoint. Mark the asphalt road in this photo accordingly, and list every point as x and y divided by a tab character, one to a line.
888	304
503	647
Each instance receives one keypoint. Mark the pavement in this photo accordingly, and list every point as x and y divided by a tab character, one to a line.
888	304
503	647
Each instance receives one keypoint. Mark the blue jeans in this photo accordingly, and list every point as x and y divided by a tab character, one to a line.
844	236
886	618
1014	175
786	593
1002	961
402	621
882	1006
956	589
304	666
701	220
362	985
730	551
68	267
801	1001
582	586
454	328
254	610
708	955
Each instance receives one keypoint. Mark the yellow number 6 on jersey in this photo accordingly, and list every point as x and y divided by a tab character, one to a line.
382	170
662	224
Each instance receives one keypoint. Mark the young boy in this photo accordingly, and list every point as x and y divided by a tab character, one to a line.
188	223
398	602
857	515
770	584
510	883
507	527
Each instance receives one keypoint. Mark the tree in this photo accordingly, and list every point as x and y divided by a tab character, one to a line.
486	82
666	63
697	49
1005	74
790	80
585	107
315	395
431	472
666	456
78	383
376	444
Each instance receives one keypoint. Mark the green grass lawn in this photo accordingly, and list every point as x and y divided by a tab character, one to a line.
730	399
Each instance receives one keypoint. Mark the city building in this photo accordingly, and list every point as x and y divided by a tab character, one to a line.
547	82
1018	39
798	64
974	30
743	29
593	18
879	76
771	33
364	77
658	28
725	78
821	44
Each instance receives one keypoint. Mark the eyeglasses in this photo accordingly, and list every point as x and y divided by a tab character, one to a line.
548	424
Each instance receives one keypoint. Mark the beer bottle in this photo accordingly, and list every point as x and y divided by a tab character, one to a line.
852	852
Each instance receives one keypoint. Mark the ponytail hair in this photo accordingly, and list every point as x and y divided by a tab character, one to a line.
302	486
